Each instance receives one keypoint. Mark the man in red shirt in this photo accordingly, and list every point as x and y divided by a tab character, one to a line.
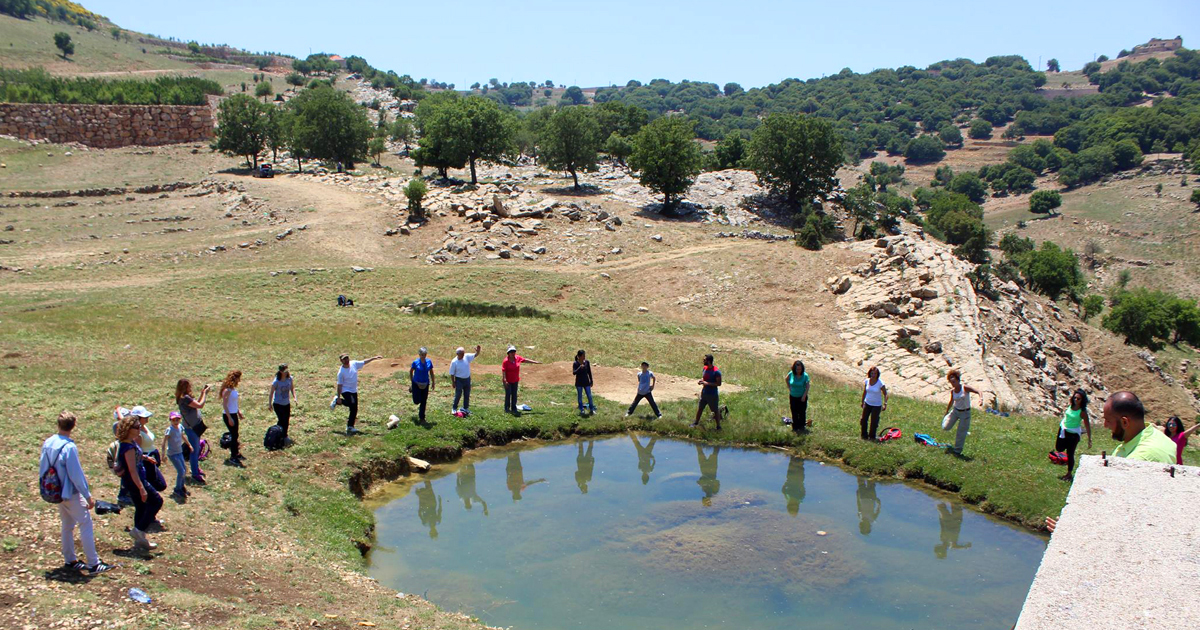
510	370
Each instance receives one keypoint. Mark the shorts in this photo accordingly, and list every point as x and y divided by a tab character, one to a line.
712	401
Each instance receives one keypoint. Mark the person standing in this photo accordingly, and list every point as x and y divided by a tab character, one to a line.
1174	430
793	485
132	471
869	505
582	369
798	382
1125	417
283	391
874	402
585	464
347	388
645	389
75	510
958	410
232	415
710	381
460	377
708	481
173	445
1074	421
511	370
193	422
645	455
422	382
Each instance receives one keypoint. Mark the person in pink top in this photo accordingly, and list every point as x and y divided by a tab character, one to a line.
510	370
1174	430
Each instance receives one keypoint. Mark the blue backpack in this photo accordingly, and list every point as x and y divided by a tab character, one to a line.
925	439
51	485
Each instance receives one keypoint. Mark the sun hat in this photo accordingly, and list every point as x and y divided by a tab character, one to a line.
119	412
512	349
141	412
173	415
344	356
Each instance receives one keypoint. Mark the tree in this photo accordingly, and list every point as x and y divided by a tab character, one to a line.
1044	201
294	79
241	127
376	148
330	126
618	148
574	96
1143	317
1093	305
796	155
732	88
980	129
1126	154
968	183
263	90
859	202
278	130
17	8
667	158
730	152
570	141
1052	66
924	149
950	135
1051	270
415	193
63	43
474	128
402	131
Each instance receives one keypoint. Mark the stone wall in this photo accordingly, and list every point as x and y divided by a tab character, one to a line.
106	126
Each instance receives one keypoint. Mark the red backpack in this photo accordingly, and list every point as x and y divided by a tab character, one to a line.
890	433
1058	457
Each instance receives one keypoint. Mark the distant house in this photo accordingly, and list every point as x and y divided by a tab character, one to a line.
1159	45
340	61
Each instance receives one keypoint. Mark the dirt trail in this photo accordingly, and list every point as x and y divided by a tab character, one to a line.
614	383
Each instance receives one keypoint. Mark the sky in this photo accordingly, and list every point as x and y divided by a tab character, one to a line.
591	44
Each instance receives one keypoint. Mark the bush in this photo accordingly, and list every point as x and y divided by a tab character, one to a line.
950	135
1051	270
980	129
924	149
1014	246
1092	306
970	185
63	43
415	193
38	86
1150	318
1044	201
1195	198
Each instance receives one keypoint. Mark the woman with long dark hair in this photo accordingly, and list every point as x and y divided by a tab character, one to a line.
193	422
1174	430
582	369
280	398
874	402
232	415
1075	421
798	383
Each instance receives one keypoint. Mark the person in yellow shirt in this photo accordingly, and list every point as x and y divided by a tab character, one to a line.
1125	416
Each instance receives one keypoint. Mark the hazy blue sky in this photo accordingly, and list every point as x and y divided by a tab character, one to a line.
753	42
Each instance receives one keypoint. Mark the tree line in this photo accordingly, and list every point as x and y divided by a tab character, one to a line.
38	86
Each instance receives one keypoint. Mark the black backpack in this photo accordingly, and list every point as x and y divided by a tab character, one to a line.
273	441
226	440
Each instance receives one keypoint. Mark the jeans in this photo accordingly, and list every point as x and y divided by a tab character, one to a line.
872	412
963	418
649	398
420	396
1067	441
350	399
799	412
462	388
73	511
283	415
180	471
194	440
231	423
144	512
579	392
510	397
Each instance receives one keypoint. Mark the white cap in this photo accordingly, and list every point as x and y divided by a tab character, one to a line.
141	412
512	349
460	349
120	411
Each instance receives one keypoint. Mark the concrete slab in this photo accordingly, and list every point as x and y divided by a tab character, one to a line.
1125	554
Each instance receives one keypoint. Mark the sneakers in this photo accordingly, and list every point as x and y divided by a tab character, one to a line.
333	403
99	568
352	431
140	542
74	566
627	414
658	417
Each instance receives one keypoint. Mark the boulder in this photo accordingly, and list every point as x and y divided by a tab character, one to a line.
840	286
933	347
498	206
417	465
924	293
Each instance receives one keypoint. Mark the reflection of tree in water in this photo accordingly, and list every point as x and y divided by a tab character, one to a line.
464	485
429	508
516	476
739	539
869	505
584	464
950	518
708	473
645	457
793	486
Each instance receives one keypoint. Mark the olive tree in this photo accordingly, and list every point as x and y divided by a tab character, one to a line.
796	155
330	126
667	158
242	127
570	141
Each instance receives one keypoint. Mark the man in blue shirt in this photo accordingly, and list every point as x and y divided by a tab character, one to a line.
60	452
421	375
709	381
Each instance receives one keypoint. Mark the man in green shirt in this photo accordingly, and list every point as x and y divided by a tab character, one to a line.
1125	416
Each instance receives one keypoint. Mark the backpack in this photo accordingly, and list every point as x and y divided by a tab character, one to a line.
51	485
341	301
1058	457
925	440
226	440
204	450
273	441
890	433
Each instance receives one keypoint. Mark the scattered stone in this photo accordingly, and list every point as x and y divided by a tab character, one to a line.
357	269
657	238
933	347
643	309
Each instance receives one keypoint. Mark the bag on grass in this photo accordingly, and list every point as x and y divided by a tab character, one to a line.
104	507
227	440
890	433
273	440
925	439
1058	457
204	450
51	485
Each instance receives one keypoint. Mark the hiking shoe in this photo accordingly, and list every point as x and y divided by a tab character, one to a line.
198	480
99	568
74	566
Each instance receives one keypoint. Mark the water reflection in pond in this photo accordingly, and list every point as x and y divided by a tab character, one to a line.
660	533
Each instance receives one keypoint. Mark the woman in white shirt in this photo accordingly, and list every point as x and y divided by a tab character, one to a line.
232	414
958	409
874	402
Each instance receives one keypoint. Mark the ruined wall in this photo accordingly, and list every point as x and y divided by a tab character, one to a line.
107	126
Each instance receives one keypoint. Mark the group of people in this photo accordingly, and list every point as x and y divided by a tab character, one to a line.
136	459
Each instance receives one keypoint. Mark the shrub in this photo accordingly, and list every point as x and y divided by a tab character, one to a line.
980	129
1044	201
950	135
37	86
415	193
1092	306
1195	198
924	149
969	184
1051	270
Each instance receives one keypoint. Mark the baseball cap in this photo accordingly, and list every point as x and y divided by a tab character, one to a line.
173	415
141	412
344	356
512	349
119	412
460	349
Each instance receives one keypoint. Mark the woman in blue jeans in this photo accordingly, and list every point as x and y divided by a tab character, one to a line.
190	408
173	446
583	381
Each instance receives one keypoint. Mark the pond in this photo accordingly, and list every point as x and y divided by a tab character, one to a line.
642	532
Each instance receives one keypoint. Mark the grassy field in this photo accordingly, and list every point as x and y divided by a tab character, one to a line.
28	43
